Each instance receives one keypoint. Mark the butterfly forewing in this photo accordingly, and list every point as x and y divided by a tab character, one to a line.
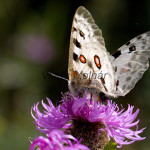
84	30
131	61
87	54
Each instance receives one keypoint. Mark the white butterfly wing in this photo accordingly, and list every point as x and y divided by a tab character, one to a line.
87	54
131	61
84	31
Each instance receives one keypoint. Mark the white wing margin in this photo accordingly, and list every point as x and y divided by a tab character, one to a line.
131	61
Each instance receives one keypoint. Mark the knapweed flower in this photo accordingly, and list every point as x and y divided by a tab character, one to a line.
94	122
57	140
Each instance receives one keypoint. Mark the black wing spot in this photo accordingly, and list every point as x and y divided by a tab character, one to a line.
116	53
132	48
128	43
74	29
76	43
75	56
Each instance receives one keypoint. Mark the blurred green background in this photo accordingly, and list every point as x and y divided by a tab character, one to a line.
34	39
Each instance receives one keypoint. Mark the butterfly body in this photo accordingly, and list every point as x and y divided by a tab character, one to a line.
93	70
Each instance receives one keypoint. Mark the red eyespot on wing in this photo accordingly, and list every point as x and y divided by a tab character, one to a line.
82	59
97	61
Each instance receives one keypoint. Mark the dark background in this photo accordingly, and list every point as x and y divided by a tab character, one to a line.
34	39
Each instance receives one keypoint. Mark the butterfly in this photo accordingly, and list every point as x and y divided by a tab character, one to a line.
93	70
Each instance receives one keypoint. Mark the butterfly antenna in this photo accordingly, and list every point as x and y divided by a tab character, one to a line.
57	76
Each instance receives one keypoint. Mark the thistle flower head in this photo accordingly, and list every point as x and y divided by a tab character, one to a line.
92	117
52	118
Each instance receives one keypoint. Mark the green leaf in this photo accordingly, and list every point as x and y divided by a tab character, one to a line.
112	145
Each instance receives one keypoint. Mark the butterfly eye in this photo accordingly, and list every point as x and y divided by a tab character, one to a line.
97	61
82	59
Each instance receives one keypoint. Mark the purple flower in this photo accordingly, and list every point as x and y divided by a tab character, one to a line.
51	119
57	140
116	122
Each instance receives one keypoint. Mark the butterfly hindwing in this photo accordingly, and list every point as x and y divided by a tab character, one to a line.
131	61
